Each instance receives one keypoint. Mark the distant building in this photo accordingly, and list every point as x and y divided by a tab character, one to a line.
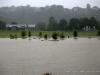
77	9
20	27
96	8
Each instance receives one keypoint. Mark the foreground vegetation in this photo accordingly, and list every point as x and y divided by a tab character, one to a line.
6	33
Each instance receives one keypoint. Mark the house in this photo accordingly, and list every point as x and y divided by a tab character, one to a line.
77	9
20	27
96	8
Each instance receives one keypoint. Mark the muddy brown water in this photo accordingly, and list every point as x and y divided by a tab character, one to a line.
35	57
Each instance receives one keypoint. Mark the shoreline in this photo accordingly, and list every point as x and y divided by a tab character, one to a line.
36	37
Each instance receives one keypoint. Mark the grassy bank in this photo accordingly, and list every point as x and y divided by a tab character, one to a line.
6	33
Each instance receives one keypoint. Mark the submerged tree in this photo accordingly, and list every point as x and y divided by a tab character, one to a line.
40	34
54	36
48	74
29	34
98	33
15	36
75	33
23	34
62	36
45	36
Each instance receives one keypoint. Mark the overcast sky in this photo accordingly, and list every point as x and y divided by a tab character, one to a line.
42	3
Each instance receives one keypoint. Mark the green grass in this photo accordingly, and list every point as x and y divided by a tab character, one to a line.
6	33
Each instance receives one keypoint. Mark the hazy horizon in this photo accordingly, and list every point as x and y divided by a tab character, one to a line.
43	3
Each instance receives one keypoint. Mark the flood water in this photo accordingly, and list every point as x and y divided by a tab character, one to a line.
35	57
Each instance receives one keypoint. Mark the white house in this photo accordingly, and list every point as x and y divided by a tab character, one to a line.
20	26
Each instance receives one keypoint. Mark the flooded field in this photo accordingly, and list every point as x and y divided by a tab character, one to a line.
35	57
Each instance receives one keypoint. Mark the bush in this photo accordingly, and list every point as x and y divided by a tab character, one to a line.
23	34
40	34
29	33
98	33
45	36
54	36
62	36
58	34
15	36
75	33
11	36
47	74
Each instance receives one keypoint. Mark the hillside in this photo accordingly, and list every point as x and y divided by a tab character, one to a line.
28	14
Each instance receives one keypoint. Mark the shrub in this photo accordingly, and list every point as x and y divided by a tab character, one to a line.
29	33
40	34
58	34
11	36
23	34
45	36
47	74
62	36
54	36
98	33
75	33
15	36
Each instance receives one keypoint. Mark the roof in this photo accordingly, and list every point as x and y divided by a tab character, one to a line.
96	8
20	25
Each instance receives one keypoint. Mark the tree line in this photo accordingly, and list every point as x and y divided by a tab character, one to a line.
63	24
74	24
2	25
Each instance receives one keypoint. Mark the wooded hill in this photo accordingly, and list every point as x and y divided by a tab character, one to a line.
35	15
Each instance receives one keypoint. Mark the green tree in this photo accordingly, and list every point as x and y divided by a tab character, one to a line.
75	33
62	36
40	34
46	36
29	34
14	23
84	22
52	26
98	33
74	24
94	22
10	36
41	26
23	34
62	24
77	27
2	25
54	36
99	25
66	27
15	36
